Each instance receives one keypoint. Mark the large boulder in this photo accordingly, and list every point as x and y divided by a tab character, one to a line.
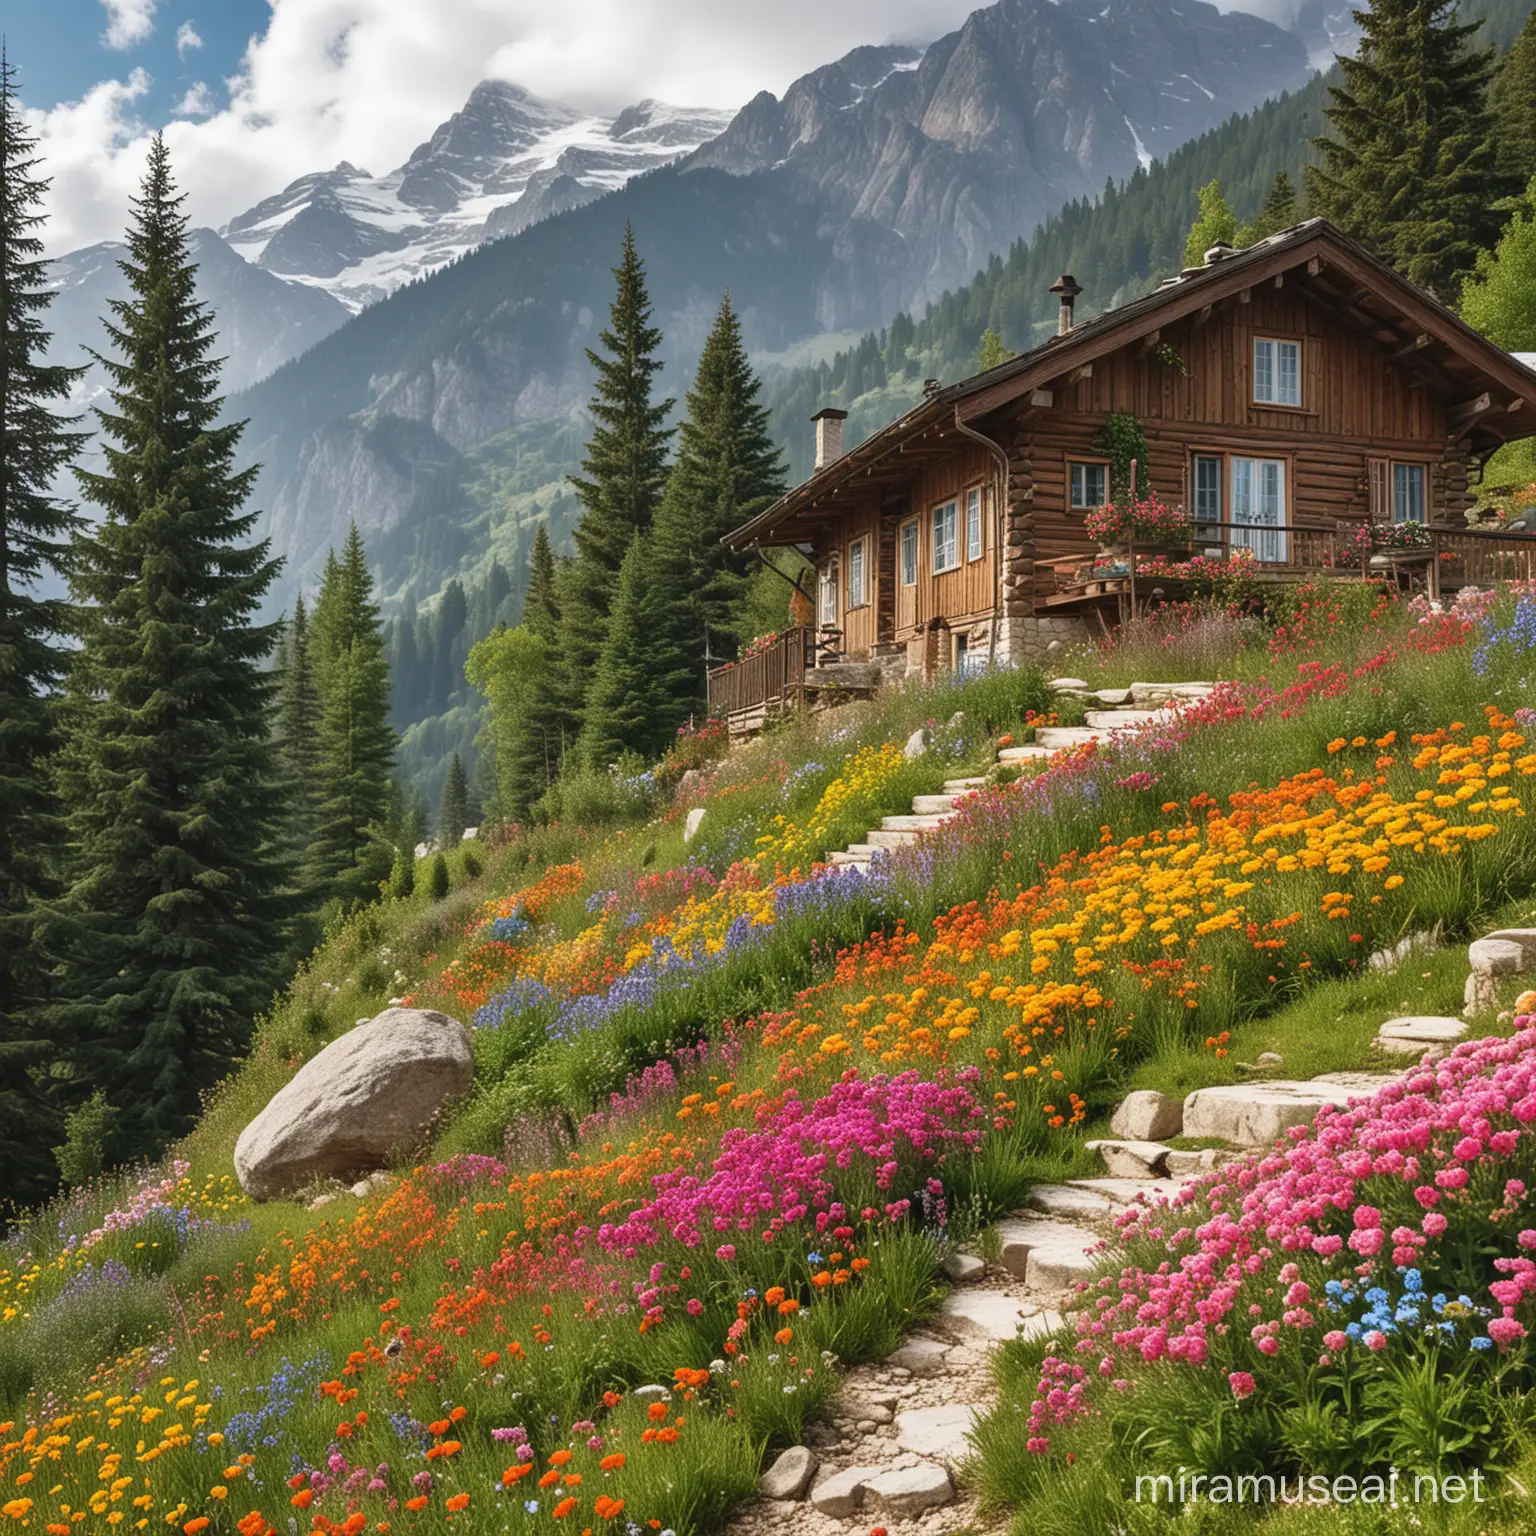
373	1092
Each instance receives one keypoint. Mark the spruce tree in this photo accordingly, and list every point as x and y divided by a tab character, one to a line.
453	816
355	749
1513	99
1280	211
296	731
625	468
626	706
1215	224
1499	299
36	444
728	469
166	936
1411	168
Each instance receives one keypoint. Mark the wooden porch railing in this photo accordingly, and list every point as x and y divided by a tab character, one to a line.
1479	557
771	678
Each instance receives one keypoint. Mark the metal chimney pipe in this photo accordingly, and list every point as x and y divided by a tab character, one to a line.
1067	288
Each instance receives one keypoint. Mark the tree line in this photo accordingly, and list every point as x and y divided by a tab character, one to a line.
177	814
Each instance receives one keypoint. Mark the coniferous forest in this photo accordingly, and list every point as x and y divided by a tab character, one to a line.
192	791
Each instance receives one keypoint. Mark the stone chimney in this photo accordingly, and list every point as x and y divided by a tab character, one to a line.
829	435
1066	288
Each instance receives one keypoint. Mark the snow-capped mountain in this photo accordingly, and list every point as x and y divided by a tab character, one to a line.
505	161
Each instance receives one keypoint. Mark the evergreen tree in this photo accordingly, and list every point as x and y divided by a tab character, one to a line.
992	352
453	816
1411	168
296	732
728	469
625	707
1499	299
167	933
1215	224
36	443
1513	99
546	723
625	468
355	745
437	877
1280	211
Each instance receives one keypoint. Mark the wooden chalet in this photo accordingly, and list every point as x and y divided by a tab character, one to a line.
1288	393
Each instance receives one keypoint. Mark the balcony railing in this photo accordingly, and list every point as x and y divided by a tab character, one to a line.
745	692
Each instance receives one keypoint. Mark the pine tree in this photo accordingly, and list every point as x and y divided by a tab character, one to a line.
355	745
168	931
453	816
625	468
1280	211
1513	99
36	443
1411	168
296	732
625	707
1215	224
1499	299
728	469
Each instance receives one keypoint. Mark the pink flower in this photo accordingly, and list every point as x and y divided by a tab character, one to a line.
1505	1331
726	1252
694	1306
1366	1217
1336	1340
1269	1345
1376	1340
1435	1224
1242	1384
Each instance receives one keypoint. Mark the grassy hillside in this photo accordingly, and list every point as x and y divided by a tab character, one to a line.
731	1109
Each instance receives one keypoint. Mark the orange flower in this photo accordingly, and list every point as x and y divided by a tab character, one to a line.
789	1307
354	1524
457	1502
608	1509
612	1463
199	1523
488	1360
458	1413
516	1474
438	1427
418	1503
773	1295
559	1458
784	1335
253	1524
657	1411
303	1498
563	1508
667	1436
549	1479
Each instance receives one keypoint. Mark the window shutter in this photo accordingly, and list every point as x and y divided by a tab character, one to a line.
1381	490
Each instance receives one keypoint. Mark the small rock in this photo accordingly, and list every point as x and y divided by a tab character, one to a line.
790	1475
956	721
1496	957
362	1189
840	1494
1131	1159
877	1413
917	1357
901	1374
911	1490
917	744
1067	684
1147	1115
1268	1059
688	786
1389	959
962	1267
1188	1165
1523	938
320	1202
1425	1029
866	1426
886	1400
694	820
1113	697
652	1389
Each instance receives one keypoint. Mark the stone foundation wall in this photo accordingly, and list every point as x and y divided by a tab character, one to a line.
1035	638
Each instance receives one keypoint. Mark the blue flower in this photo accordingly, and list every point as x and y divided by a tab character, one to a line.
1482	1341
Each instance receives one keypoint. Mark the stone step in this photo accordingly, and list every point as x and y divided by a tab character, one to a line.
924	821
1132	1159
1069	1200
1048	1256
881	838
1028	753
1122	719
934	805
964	786
1056	738
1127	1191
993	1318
849	856
861	865
1258	1114
942	1432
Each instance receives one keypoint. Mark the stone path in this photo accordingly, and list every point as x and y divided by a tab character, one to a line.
1111	711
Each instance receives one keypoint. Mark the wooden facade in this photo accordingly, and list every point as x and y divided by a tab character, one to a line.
1288	394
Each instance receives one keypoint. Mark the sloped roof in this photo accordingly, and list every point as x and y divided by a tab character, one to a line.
1463	358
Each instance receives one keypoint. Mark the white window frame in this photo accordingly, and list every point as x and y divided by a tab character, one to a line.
1273	383
858	576
975	540
911	542
946	541
1409	468
1077	472
826	596
1257	494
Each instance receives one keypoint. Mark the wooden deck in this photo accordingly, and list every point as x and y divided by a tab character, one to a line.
747	694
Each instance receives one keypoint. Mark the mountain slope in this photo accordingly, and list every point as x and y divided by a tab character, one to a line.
505	160
877	182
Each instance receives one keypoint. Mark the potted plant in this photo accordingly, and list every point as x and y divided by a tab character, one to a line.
1145	522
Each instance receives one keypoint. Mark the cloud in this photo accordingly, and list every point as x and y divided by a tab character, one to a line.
187	39
198	102
128	22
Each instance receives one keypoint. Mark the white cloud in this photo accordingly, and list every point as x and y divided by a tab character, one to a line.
187	39
198	102
128	22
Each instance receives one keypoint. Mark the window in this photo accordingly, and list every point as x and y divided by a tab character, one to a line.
1276	372
1398	492
1208	504
1258	503
973	523
856	597
909	553
1408	493
946	555
827	593
1088	485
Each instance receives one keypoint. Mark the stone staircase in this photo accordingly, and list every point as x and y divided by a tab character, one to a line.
1110	712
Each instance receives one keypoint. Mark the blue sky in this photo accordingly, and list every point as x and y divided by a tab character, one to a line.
58	46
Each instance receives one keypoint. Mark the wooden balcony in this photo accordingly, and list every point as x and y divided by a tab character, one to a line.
747	694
